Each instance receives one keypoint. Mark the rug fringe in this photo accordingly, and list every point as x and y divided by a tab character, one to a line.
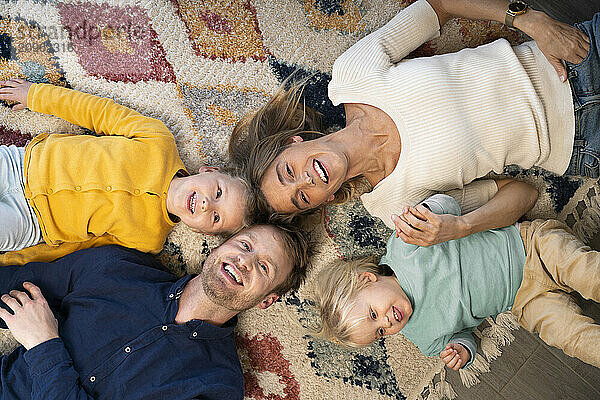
441	390
470	375
495	336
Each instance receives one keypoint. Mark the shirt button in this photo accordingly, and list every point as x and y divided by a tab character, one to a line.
78	188
127	349
92	378
108	188
136	191
164	327
194	334
50	191
171	295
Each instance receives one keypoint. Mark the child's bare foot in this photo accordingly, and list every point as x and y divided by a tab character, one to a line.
15	90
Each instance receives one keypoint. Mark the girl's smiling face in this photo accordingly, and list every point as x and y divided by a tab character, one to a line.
382	309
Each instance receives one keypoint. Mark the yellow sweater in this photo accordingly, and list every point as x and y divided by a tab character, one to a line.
89	191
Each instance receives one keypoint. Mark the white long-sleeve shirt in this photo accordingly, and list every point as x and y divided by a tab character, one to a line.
459	115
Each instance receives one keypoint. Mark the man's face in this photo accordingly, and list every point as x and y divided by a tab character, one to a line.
243	271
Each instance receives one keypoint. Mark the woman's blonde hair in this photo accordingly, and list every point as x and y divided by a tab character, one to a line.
335	294
260	136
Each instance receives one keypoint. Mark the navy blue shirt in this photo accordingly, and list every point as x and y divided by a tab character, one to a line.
118	337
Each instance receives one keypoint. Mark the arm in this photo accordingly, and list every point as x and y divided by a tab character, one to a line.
556	40
379	50
420	226
34	326
98	114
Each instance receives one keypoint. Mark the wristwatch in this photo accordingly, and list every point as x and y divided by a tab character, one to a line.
514	8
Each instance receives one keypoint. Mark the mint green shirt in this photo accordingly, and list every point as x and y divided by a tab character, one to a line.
453	286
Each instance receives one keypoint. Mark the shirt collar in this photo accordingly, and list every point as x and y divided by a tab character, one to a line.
198	329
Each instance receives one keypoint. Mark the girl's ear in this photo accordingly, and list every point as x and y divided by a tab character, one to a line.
294	139
366	276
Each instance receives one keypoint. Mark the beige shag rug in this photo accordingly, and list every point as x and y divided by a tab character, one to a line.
199	65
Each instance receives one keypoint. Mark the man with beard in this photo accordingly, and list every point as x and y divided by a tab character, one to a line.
105	323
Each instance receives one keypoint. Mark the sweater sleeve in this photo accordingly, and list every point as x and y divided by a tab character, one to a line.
409	29
474	195
465	339
98	114
442	204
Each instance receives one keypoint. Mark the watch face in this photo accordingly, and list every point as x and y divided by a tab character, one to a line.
517	6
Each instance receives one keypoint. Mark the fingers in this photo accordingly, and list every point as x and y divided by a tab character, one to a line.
453	360
559	68
35	291
21	297
18	107
10	301
403	227
12	82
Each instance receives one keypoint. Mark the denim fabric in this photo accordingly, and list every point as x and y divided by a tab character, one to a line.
118	337
585	85
19	226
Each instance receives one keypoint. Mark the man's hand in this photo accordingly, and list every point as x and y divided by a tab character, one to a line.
455	356
15	90
33	322
556	40
418	225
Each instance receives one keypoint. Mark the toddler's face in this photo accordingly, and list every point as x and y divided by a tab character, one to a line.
384	307
208	202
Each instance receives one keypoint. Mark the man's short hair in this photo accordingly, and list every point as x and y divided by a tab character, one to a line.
299	248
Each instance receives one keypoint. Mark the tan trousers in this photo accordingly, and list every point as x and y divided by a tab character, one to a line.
557	264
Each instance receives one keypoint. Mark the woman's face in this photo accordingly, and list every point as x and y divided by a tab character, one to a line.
304	176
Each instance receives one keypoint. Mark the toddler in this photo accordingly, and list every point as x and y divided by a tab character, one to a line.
125	186
437	295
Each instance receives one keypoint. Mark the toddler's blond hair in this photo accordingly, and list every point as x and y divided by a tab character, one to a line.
335	293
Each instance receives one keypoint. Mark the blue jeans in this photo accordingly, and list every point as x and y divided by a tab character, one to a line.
19	227
585	86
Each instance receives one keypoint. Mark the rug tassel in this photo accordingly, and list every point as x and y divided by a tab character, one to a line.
443	388
469	375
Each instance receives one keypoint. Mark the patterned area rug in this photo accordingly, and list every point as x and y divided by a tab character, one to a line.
198	65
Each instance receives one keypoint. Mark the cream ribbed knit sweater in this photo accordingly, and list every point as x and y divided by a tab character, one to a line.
460	115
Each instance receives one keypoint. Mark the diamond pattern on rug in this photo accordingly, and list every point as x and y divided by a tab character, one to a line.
10	136
223	29
115	43
214	112
26	52
340	15
315	93
355	232
366	367
267	373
